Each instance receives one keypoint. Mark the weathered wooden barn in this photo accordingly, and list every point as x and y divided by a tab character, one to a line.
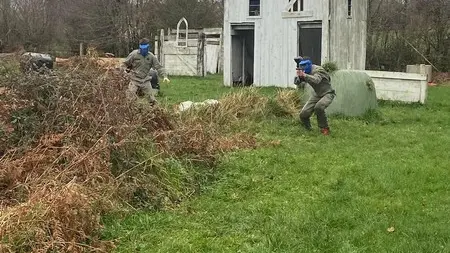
190	52
262	37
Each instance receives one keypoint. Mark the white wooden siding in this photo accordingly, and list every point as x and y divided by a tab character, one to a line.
276	40
343	41
399	86
212	54
180	60
276	36
348	34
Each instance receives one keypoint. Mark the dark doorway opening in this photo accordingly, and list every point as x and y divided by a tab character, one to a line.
310	40
242	54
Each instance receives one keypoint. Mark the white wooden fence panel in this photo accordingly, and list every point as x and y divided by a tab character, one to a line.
212	58
399	86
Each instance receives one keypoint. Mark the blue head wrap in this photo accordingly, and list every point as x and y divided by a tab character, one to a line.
144	49
307	66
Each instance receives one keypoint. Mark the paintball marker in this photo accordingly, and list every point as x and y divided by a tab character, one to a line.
297	60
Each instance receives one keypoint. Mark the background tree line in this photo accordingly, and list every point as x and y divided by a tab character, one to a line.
400	32
114	26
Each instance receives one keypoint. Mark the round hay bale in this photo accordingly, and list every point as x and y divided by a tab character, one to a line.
355	93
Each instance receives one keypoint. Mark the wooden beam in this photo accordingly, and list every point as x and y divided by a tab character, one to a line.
220	58
161	48
201	55
157	48
81	49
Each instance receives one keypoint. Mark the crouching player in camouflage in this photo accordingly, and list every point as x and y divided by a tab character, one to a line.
323	94
144	79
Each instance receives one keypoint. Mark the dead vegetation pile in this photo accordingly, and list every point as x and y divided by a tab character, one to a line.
287	102
72	149
103	62
55	176
245	104
233	107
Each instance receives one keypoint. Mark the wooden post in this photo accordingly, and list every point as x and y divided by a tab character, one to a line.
81	49
220	58
161	48
201	54
156	48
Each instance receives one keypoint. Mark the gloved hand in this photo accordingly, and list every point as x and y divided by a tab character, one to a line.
300	73
166	80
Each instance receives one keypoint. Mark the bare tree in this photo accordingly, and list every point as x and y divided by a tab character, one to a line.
400	32
110	25
408	32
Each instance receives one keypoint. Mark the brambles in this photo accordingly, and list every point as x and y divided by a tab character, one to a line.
73	149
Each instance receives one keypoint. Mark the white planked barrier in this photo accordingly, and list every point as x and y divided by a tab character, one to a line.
399	86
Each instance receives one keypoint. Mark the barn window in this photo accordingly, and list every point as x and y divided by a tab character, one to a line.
254	7
349	8
297	6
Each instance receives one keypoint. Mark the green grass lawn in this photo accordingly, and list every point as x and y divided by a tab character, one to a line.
197	90
312	193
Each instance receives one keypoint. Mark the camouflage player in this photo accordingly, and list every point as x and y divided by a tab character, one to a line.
141	64
323	94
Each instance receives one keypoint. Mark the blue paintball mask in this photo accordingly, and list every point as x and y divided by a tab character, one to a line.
306	65
144	49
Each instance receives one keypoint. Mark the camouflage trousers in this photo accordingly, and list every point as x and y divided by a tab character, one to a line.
138	89
316	105
154	81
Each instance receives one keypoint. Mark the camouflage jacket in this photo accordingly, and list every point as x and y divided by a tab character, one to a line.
140	66
319	80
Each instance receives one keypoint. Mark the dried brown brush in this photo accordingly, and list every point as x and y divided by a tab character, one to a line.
245	103
236	142
195	142
200	132
288	102
73	153
55	218
60	193
233	107
202	143
55	173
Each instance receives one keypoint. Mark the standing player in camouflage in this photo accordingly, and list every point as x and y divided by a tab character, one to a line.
323	95
140	63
